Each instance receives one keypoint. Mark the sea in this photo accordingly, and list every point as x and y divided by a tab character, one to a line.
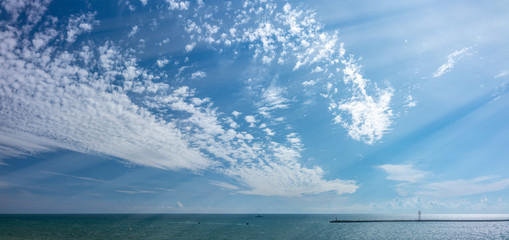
245	226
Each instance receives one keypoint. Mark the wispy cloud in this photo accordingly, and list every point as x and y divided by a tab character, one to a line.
135	191
76	177
138	190
404	173
272	99
133	31
419	183
224	185
4	184
501	74
164	189
410	101
451	60
288	180
19	143
464	187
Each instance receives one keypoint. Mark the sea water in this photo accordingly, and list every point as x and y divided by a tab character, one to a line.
245	226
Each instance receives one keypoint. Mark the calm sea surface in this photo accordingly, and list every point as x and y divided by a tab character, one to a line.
244	226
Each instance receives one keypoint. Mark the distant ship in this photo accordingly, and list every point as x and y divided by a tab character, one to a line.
259	216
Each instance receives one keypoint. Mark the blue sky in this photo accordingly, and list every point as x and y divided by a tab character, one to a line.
254	106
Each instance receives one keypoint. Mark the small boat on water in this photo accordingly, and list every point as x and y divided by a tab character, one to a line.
259	216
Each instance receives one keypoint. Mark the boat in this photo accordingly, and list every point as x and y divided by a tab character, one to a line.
259	216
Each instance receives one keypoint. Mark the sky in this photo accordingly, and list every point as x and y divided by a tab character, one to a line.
256	106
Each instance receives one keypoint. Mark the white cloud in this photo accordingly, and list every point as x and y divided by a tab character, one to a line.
78	25
211	29
501	74
77	177
135	191
144	2
414	183
464	187
162	62
291	19
451	60
410	102
267	59
293	139
403	173
236	114
317	69
289	180
14	7
276	29
190	47
165	41
198	74
269	132
18	144
272	99
179	5
251	120
367	117
200	3
232	123
224	185
309	83
370	118
133	31
42	39
33	9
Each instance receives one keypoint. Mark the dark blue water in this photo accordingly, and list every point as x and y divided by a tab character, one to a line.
244	226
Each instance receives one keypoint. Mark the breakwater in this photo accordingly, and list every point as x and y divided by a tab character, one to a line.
430	220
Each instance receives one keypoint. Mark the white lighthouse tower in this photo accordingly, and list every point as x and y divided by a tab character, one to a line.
419	213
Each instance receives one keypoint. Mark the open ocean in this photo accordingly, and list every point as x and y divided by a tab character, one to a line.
244	226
